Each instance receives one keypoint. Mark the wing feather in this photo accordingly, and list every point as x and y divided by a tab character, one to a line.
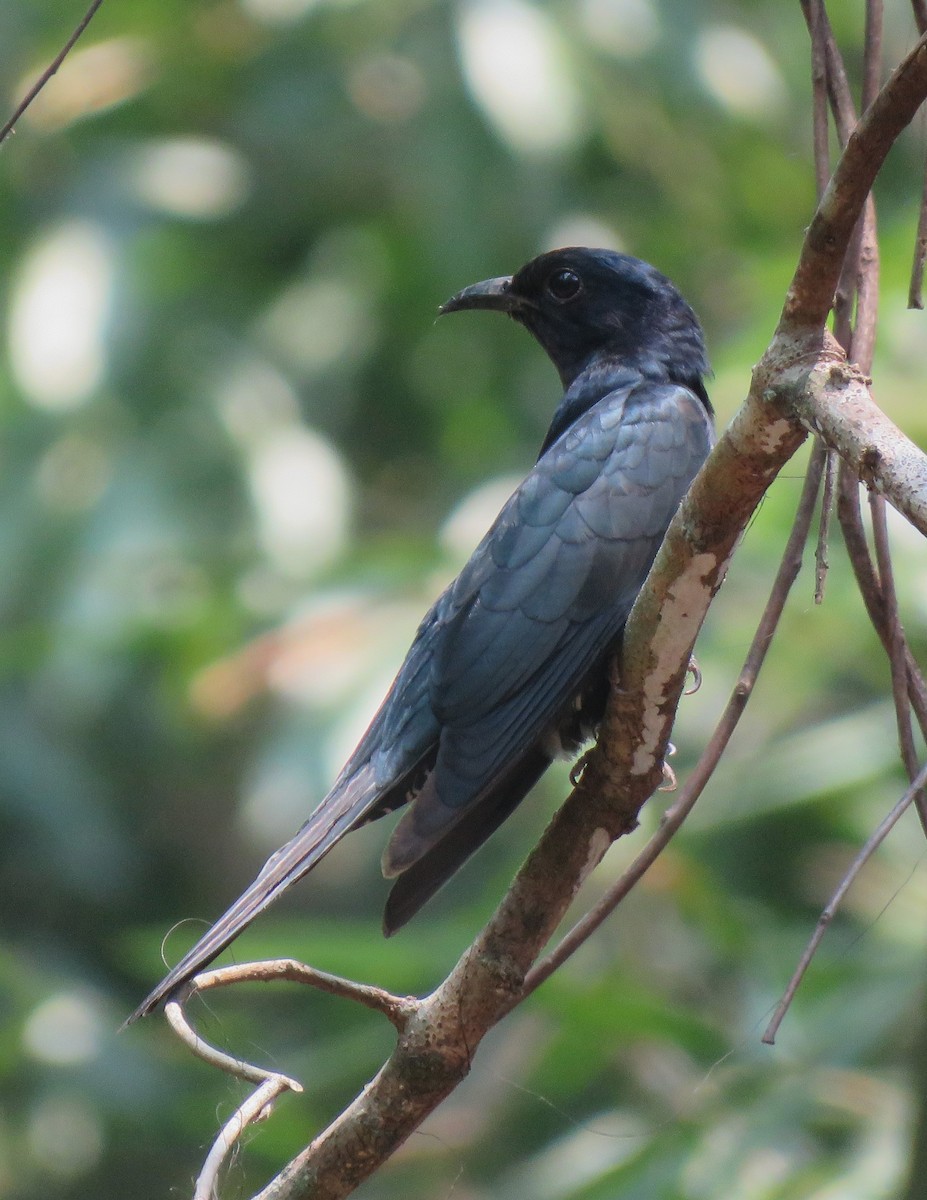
516	655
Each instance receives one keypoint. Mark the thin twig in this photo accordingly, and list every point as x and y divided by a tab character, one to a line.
178	1021
271	1084
254	1109
916	286
818	27
872	56
838	85
396	1009
876	840
827	509
811	291
854	535
676	814
896	640
820	125
847	287
49	71
862	343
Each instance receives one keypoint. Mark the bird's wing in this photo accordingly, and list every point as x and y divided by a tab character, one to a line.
548	592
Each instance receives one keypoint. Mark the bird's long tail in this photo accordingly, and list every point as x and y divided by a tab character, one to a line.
345	807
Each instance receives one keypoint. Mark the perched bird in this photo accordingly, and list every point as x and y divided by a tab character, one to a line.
508	669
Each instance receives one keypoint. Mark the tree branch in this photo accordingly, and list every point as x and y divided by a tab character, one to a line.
874	842
49	71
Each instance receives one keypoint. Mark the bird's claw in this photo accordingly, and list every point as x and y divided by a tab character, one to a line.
669	783
577	769
695	671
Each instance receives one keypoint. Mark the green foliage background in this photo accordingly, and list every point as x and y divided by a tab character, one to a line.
255	324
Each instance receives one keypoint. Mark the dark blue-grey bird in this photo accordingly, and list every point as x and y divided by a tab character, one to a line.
509	667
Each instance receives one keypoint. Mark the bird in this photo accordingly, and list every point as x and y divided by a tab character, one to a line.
509	667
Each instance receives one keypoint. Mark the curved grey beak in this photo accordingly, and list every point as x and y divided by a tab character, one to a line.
491	293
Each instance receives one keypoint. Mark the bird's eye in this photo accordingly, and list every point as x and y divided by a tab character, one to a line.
564	284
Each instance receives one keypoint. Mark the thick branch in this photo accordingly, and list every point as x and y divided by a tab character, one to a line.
834	400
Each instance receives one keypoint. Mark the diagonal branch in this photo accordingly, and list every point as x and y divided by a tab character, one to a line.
887	824
870	589
49	71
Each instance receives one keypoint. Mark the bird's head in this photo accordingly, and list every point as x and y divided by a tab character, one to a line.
582	304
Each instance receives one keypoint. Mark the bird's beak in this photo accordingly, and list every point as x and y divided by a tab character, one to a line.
491	293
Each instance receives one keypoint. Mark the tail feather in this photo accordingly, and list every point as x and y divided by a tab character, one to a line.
427	864
342	810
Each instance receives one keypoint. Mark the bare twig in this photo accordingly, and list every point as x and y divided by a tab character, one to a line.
827	507
814	16
860	345
178	1021
838	85
271	1084
876	840
396	1009
819	29
49	71
896	642
916	286
676	814
872	57
255	1108
854	536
